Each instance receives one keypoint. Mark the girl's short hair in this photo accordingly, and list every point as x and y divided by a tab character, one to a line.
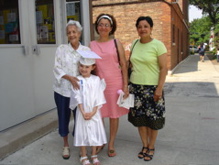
75	23
144	18
111	19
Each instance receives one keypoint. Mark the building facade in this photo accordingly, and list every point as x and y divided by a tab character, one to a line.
30	31
170	23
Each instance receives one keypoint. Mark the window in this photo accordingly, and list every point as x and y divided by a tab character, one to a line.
9	22
73	10
173	34
45	22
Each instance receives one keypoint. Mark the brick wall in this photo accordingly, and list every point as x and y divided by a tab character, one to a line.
164	16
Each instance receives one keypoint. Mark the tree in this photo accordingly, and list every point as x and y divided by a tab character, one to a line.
216	38
209	7
200	30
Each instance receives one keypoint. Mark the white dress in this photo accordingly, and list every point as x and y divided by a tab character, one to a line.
89	132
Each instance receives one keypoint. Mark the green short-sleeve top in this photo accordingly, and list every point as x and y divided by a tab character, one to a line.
144	59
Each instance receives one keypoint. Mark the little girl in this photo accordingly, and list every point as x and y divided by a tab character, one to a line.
89	128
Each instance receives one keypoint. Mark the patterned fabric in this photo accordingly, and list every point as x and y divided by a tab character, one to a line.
66	62
146	112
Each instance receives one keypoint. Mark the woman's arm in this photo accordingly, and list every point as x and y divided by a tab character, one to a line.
162	62
58	69
123	64
73	80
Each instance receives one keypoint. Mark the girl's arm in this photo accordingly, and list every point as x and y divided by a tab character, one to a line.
162	61
123	64
86	117
91	114
94	111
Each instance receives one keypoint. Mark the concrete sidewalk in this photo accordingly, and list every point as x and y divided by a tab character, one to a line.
190	136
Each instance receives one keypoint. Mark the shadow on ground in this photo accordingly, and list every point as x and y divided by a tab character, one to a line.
198	89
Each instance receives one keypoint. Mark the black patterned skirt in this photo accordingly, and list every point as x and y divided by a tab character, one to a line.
146	112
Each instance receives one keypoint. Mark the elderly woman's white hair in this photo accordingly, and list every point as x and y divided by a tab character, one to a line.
75	23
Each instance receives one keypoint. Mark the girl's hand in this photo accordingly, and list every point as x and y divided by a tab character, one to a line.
91	114
86	116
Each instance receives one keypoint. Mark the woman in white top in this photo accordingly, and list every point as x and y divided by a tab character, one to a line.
65	71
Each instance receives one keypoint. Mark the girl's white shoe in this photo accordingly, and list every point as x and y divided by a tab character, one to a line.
95	160
85	161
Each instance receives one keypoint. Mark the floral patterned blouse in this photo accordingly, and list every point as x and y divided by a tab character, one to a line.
66	62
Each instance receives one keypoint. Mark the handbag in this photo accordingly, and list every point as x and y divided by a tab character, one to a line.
129	62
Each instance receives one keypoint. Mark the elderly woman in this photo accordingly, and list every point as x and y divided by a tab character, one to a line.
149	69
65	71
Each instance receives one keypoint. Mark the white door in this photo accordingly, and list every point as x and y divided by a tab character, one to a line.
43	46
28	40
30	31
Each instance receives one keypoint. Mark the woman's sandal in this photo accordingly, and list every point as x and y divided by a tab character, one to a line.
141	154
66	153
95	160
85	161
148	155
111	153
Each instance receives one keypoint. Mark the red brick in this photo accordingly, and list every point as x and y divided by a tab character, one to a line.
164	15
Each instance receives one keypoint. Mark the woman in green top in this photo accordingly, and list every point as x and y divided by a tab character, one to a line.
149	69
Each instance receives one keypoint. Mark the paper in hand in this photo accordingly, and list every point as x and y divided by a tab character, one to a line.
125	103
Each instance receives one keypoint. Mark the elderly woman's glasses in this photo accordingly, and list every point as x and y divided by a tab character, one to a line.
103	25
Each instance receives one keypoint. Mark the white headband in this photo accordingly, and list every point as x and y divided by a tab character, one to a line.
107	17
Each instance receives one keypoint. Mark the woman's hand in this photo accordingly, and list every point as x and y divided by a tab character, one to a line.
126	92
157	95
74	82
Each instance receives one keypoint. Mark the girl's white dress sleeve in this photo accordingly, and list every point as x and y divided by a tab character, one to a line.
75	99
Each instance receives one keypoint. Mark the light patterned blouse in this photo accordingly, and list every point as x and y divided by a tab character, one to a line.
66	62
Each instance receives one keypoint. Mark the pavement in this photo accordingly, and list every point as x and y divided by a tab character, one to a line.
190	135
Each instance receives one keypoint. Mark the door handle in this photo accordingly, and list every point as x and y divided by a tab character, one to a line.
25	50
36	49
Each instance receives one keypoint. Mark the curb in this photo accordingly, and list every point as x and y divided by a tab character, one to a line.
19	136
171	72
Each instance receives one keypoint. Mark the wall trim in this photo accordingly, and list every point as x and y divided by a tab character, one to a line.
125	3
